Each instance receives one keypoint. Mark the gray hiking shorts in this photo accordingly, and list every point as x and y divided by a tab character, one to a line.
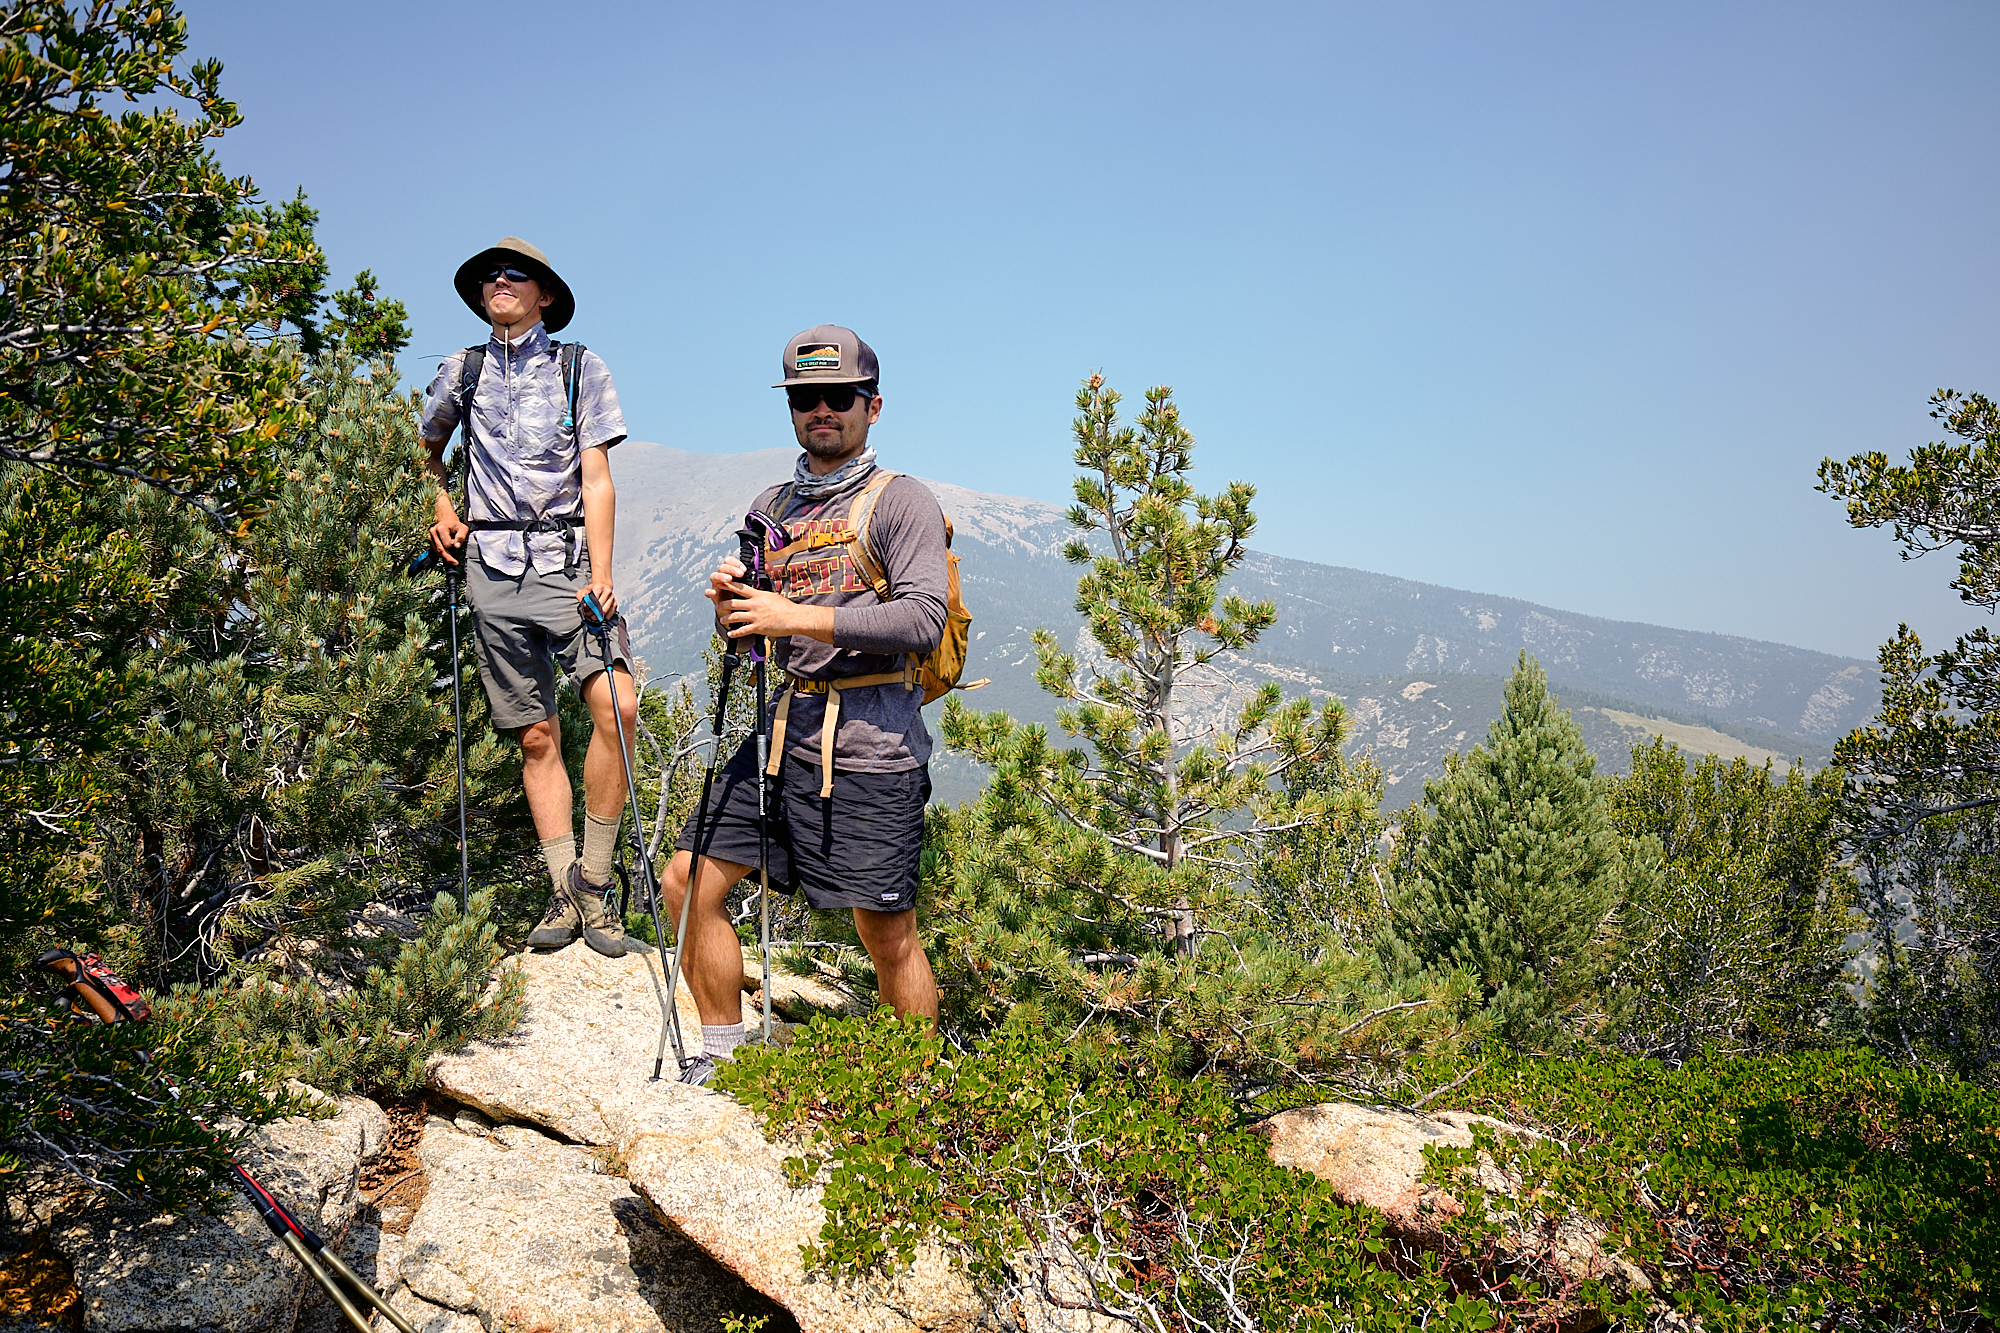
527	623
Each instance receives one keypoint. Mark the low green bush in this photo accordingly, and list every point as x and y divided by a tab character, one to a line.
149	1111
378	1036
1819	1189
1148	1177
1823	1190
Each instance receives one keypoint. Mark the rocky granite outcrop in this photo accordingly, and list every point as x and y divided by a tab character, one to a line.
523	1232
704	1163
1374	1156
580	1066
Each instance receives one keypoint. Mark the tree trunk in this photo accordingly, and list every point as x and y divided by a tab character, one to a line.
1180	927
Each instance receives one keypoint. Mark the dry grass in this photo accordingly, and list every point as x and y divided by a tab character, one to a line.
38	1281
396	1179
1695	740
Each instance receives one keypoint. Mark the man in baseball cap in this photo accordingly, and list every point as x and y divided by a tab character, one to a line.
849	751
540	419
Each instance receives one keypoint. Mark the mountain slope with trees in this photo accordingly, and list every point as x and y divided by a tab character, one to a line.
1419	667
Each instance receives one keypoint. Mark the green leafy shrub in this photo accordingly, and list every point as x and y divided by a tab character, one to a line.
1816	1190
1821	1189
150	1112
1739	945
1019	1161
380	1034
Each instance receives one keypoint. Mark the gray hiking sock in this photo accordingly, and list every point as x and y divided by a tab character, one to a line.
600	844
559	852
718	1041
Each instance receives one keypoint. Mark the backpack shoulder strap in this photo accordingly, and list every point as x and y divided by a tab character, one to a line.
569	356
468	385
858	517
468	378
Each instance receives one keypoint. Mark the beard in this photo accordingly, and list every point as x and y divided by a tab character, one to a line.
826	446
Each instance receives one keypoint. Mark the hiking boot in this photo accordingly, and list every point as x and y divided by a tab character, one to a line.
698	1071
559	924
601	931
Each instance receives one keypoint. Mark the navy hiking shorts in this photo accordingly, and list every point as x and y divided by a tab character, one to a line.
861	847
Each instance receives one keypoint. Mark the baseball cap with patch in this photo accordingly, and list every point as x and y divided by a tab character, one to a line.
827	354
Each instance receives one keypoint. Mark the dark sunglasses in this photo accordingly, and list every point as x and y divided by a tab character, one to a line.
837	397
511	274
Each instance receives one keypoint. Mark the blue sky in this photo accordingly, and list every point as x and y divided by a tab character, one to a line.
1561	302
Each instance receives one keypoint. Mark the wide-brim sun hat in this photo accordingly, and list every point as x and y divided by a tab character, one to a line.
471	277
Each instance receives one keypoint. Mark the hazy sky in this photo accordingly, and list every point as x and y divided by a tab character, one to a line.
1558	302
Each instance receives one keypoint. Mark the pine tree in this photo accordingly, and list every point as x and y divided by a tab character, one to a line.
1515	873
1920	813
297	755
1109	893
149	311
1161	787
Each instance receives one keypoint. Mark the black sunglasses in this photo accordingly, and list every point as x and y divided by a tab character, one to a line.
837	397
511	274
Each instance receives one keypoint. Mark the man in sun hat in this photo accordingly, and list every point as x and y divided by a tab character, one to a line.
539	419
849	751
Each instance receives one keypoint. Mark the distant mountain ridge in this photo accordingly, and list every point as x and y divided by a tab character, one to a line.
1418	666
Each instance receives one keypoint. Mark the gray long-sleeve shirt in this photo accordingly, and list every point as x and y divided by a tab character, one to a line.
881	727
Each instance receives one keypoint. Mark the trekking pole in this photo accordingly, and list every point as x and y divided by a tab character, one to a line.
458	738
757	656
732	654
761	534
670	1019
114	1002
422	565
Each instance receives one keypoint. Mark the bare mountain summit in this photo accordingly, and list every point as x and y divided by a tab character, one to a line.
1418	666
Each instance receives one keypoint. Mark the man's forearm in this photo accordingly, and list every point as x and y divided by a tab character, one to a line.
434	464
911	624
600	520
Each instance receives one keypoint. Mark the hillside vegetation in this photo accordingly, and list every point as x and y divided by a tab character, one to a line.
1180	908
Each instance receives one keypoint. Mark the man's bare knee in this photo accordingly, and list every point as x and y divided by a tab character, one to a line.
712	885
890	937
539	741
611	691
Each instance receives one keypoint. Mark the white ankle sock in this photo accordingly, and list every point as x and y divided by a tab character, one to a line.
600	844
559	852
718	1041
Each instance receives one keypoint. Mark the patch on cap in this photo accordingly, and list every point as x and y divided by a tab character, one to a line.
817	356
